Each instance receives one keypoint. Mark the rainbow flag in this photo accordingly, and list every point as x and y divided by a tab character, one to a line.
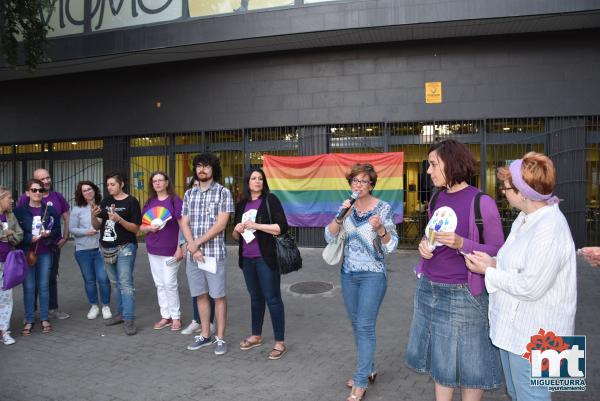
312	188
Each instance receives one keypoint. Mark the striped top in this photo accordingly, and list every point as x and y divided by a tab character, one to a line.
534	284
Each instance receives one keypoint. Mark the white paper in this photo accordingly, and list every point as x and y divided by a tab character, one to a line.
209	265
248	236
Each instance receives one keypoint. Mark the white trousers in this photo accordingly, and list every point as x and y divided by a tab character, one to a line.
6	303
165	279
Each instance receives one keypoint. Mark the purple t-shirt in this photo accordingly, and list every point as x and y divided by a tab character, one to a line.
447	265
59	203
164	242
5	247
42	248
251	250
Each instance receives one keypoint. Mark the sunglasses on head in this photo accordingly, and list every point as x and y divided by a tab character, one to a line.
37	190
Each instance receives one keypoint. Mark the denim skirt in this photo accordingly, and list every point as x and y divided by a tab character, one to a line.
449	337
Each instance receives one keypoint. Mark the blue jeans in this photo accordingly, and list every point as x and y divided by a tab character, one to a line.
38	278
263	284
92	269
363	293
52	283
212	309
517	373
120	275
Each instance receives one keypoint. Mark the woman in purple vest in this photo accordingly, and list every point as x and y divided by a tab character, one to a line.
449	334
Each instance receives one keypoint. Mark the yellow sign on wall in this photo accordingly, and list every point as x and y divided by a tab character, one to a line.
433	92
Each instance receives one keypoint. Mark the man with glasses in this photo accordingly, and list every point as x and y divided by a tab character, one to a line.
62	207
205	214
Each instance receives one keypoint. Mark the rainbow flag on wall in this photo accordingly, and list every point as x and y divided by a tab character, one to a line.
312	188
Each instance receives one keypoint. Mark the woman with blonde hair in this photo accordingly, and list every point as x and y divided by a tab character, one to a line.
10	235
533	280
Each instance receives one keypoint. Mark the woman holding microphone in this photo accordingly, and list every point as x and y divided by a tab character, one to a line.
370	234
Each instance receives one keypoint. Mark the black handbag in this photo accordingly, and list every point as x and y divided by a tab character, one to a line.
288	255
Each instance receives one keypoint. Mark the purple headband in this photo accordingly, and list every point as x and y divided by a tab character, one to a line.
525	189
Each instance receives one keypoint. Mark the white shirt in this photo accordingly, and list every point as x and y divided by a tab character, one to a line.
534	284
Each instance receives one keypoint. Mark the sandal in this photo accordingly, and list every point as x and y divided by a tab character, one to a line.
371	378
27	329
247	343
176	326
277	353
355	397
162	323
46	328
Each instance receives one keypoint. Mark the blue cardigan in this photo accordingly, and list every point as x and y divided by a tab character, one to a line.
25	219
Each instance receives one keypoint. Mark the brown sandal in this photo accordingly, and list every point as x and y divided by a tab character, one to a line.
46	328
277	353
247	343
27	329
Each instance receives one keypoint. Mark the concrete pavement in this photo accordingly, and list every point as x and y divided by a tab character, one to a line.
84	360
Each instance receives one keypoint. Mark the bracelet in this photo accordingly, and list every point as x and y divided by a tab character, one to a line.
339	222
384	233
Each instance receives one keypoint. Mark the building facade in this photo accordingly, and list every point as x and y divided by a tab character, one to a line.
148	85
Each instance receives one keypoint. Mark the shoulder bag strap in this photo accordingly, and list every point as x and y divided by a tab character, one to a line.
268	209
478	218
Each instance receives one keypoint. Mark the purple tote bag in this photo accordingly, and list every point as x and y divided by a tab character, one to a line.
15	269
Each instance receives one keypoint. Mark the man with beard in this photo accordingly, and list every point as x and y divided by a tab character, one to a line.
62	206
205	214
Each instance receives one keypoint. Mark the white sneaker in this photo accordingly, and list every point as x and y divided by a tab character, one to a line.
193	327
7	339
93	313
106	313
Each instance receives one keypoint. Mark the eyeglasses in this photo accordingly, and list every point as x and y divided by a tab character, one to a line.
37	190
204	167
362	182
87	190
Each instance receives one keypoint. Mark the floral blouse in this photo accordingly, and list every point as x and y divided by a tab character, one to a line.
363	249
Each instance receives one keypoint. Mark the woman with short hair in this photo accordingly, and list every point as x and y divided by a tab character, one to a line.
533	280
41	231
449	334
370	235
118	218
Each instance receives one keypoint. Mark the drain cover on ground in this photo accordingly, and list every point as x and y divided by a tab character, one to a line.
311	287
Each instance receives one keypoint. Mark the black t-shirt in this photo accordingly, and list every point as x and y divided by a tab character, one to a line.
113	234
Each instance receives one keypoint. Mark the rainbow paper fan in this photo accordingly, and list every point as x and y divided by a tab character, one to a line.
157	216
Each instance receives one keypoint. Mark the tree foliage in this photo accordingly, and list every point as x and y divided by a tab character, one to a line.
23	20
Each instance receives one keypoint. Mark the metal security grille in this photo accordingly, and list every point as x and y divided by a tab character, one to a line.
572	142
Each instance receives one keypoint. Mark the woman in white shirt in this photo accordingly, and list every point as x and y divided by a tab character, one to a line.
533	281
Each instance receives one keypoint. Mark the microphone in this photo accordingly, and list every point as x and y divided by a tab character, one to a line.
344	210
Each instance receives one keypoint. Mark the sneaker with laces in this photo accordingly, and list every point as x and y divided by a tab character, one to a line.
221	347
193	327
7	338
106	313
199	342
58	314
94	312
